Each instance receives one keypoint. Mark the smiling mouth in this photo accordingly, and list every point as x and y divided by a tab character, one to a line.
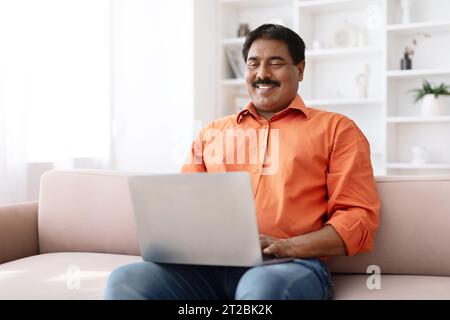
263	88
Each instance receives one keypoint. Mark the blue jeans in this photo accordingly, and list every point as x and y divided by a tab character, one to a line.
298	279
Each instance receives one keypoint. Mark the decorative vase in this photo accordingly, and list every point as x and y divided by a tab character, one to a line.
406	62
432	106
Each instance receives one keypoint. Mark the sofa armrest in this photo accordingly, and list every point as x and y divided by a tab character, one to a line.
18	231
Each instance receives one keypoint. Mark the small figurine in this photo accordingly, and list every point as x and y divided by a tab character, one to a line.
362	81
244	30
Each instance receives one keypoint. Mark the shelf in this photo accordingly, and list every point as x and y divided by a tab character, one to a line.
412	28
233	41
324	6
233	82
417	73
406	165
342	53
254	3
418	119
341	102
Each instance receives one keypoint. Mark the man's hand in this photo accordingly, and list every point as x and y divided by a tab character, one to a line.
323	242
266	240
278	247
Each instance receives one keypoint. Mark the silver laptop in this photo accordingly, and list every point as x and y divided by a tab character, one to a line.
197	218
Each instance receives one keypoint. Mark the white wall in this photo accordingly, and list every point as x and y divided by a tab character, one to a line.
205	74
153	90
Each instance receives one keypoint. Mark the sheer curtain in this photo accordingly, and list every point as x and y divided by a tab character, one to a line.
13	111
55	90
13	154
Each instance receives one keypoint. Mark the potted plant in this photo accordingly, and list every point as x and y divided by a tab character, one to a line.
434	98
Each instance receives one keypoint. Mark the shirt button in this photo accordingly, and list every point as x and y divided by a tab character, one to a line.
256	170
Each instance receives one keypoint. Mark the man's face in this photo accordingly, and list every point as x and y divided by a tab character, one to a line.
271	77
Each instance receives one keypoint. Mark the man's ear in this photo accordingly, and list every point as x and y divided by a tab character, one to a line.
301	69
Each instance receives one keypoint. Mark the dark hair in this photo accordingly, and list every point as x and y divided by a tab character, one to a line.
294	42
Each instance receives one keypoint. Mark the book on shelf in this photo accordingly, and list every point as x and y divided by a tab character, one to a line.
236	61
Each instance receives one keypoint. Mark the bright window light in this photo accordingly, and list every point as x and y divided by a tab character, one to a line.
56	66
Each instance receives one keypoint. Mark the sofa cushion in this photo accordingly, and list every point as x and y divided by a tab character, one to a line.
62	276
86	211
413	235
400	287
78	275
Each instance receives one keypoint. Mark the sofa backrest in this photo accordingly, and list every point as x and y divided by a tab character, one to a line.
414	233
86	211
91	211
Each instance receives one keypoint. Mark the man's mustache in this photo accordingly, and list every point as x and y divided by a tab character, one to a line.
266	82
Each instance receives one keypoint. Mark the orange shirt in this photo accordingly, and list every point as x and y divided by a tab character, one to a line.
308	167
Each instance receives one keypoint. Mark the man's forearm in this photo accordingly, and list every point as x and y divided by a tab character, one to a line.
323	242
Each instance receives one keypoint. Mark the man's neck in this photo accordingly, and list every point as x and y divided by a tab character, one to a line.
269	114
266	114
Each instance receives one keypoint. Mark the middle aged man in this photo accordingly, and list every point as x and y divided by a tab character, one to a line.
314	190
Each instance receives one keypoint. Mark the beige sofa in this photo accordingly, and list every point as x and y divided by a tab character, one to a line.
84	228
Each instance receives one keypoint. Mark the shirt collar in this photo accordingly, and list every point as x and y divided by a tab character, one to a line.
297	104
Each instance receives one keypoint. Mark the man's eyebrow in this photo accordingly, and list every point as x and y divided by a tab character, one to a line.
276	58
270	59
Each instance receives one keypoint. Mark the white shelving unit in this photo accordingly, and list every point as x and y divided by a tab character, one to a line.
411	28
418	119
341	102
327	6
402	74
400	165
233	41
233	82
342	53
387	115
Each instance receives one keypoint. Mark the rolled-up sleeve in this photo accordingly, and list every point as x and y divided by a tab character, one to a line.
353	202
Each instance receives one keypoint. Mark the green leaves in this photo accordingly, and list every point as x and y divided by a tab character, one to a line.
428	88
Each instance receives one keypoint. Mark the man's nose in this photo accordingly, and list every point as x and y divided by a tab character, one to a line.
263	72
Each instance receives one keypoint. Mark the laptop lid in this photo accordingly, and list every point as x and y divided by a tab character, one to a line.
196	218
